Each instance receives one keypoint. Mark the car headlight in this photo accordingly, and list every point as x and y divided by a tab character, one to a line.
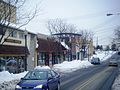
39	86
17	86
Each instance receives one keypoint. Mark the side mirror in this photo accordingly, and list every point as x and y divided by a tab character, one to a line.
22	78
50	78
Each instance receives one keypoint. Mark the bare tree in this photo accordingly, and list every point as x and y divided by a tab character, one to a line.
11	15
86	37
117	33
60	26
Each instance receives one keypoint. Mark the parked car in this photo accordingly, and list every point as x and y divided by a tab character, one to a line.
113	62
40	79
95	60
119	53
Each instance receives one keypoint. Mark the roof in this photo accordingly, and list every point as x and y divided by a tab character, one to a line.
13	50
75	34
49	45
16	27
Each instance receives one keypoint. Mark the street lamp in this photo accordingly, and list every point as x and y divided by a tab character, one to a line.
25	33
109	14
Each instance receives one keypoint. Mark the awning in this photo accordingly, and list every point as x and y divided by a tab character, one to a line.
49	46
13	50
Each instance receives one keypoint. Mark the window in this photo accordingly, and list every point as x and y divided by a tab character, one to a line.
21	35
49	74
53	73
36	75
13	33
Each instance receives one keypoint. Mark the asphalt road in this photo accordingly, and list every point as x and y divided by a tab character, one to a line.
98	77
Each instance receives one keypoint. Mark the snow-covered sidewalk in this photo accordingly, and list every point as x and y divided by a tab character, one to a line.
9	80
116	84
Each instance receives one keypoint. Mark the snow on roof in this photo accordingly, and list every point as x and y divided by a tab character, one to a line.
16	26
66	46
42	67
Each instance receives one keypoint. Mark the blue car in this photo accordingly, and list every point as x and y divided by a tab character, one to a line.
40	79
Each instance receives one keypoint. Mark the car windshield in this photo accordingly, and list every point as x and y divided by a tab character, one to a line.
95	59
36	75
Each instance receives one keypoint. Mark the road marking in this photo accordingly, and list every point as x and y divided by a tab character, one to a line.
92	79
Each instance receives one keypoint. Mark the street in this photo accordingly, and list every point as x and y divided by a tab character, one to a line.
94	77
98	77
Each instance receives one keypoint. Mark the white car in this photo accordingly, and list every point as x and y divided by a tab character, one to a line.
95	60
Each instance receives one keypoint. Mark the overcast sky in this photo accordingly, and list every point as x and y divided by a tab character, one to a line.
85	14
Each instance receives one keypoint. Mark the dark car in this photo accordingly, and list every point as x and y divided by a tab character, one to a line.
40	79
119	53
95	60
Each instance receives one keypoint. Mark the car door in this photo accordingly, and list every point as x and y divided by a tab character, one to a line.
51	81
56	78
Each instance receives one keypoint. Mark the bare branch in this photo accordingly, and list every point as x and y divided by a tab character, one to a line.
9	11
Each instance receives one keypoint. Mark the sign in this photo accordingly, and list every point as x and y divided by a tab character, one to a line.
13	41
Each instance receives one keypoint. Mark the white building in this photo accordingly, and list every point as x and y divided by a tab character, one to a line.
13	48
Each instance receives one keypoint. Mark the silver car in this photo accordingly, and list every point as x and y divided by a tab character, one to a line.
113	62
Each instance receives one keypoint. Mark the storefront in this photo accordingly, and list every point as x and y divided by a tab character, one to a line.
12	58
50	52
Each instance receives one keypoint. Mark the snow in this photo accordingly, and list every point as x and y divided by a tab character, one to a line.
65	45
116	85
6	76
71	66
9	80
103	55
42	67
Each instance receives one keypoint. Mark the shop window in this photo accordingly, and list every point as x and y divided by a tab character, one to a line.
12	66
2	65
21	35
13	33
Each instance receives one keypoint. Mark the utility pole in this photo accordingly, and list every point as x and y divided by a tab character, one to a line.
97	42
25	50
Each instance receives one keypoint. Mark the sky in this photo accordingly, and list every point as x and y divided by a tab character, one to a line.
84	14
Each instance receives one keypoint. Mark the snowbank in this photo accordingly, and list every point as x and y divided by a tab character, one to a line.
104	55
78	64
6	76
116	85
71	66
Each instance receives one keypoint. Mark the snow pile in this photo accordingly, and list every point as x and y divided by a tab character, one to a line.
42	67
6	76
116	84
103	55
71	66
108	55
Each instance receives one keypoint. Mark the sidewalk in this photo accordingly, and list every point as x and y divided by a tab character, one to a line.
116	84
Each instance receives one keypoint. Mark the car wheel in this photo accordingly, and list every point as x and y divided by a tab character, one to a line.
45	88
58	87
